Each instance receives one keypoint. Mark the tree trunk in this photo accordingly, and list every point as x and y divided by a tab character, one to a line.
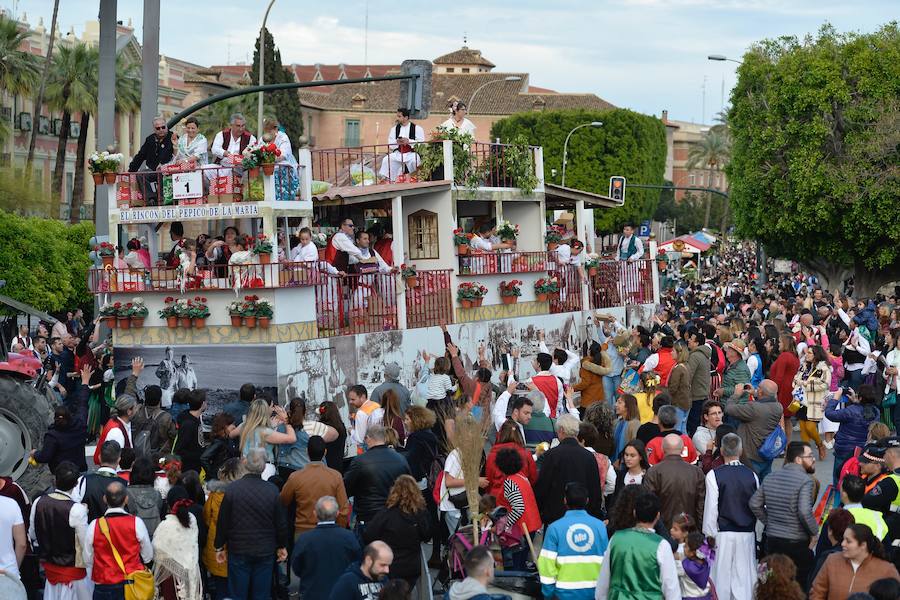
59	170
866	281
78	180
39	101
708	198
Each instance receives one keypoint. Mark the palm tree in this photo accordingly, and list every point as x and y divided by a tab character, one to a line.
69	91
39	101
18	69
711	153
128	99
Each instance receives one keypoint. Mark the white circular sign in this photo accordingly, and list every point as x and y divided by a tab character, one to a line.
580	537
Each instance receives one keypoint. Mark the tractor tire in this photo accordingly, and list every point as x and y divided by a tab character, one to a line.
25	415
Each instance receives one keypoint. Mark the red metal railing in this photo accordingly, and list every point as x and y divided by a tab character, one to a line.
569	297
430	303
356	303
218	184
618	283
364	165
486	263
492	163
217	277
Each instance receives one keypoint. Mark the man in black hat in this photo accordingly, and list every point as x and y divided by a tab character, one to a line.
884	496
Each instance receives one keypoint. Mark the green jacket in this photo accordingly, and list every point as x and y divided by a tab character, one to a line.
634	570
735	374
698	370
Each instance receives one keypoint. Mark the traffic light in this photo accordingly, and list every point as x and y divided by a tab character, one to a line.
617	189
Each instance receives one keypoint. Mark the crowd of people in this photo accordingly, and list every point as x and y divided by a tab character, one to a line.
671	459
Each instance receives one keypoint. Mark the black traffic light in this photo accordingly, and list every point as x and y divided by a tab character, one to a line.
617	189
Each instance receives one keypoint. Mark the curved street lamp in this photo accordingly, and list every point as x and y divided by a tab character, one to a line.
478	89
722	58
262	69
566	146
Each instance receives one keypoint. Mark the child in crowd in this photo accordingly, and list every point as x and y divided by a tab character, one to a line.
682	526
693	569
440	384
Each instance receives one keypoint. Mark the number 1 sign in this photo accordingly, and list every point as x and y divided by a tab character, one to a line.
187	185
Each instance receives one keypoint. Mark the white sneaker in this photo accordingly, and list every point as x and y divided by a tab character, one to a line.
796	428
828	444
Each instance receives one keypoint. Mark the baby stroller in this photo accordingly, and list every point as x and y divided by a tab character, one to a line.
517	585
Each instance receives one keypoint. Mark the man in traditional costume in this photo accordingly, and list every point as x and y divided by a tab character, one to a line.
401	139
630	250
227	149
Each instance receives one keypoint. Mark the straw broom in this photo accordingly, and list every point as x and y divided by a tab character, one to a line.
469	436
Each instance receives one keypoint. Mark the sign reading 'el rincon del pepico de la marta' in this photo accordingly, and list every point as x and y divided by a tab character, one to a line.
155	214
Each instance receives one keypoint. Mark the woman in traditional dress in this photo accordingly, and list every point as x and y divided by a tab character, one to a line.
192	144
286	179
176	555
458	120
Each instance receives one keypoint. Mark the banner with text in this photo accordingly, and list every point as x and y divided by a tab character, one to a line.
156	214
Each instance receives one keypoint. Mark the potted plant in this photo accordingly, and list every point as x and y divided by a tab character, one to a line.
250	164
249	311
124	312
264	313
106	252
410	275
139	312
544	287
199	312
507	232
461	239
553	237
183	312
236	312
592	264
168	313
267	154
510	291
96	165
320	239
470	295
262	247
108	314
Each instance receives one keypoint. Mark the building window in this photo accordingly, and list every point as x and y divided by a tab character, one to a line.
423	235
465	69
692	179
351	132
450	69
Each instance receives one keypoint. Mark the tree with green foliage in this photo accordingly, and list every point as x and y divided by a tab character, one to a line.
628	144
815	168
284	104
45	261
22	196
711	152
18	69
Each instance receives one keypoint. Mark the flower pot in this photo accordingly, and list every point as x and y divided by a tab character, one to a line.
462	249
236	320
264	259
554	295
465	302
254	172
412	282
250	322
137	322
321	253
592	272
552	246
124	322
476	302
184	322
98	178
541	296
107	260
268	169
199	322
509	299
263	322
110	322
172	322
109	178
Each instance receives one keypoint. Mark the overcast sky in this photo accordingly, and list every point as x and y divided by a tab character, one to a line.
647	55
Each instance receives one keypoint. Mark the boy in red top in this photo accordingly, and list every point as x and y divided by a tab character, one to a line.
667	420
128	535
663	361
547	383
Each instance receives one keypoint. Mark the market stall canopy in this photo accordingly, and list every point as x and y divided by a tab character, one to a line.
704	237
684	243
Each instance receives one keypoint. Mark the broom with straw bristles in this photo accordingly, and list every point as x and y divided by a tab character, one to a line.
469	436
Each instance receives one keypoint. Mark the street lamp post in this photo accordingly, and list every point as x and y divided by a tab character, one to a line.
262	68
722	58
478	89
566	145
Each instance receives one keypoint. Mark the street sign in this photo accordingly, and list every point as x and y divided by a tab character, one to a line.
644	229
187	185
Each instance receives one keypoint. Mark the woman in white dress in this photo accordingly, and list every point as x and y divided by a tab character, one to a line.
192	144
286	179
458	120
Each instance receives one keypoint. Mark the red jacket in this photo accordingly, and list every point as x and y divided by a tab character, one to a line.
113	422
655	451
495	476
663	368
124	537
532	517
384	248
782	373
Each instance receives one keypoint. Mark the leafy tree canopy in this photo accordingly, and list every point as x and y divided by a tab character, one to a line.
629	144
815	173
284	104
45	261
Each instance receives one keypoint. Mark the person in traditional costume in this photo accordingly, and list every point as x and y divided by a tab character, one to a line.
176	555
630	250
192	145
458	120
227	149
286	179
402	140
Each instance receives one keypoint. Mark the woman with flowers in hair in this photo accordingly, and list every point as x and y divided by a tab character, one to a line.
777	579
458	120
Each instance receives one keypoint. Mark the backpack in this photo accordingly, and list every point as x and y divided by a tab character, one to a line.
774	444
144	437
717	358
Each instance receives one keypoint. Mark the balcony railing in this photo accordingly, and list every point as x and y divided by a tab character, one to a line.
618	283
495	163
502	262
569	297
430	303
172	185
217	277
356	303
364	165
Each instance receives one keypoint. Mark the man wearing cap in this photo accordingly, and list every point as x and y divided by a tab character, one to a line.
884	497
392	382
118	428
736	373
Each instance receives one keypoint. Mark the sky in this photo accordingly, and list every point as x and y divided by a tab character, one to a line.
646	55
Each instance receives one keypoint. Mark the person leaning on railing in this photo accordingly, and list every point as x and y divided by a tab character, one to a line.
481	242
157	150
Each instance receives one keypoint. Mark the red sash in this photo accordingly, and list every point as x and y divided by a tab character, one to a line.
549	386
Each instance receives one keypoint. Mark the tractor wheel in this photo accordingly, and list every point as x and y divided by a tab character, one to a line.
24	417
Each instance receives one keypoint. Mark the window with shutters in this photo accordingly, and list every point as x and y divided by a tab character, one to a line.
422	227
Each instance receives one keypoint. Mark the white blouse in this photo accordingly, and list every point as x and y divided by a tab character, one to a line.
466	126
